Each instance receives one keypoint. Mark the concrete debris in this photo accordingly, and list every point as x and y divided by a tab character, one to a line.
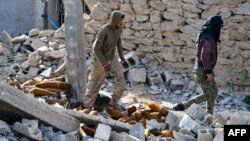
28	128
159	39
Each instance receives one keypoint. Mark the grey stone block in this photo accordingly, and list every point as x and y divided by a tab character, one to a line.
131	61
138	131
130	138
173	119
28	128
190	123
102	132
116	137
4	127
154	79
219	136
177	84
196	112
204	135
137	75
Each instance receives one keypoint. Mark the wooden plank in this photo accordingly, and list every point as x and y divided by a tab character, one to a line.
14	102
92	119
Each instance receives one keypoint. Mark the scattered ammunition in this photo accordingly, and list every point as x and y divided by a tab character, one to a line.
115	113
93	113
89	131
53	84
131	110
147	132
41	92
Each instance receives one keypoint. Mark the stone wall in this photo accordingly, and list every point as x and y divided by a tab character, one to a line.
164	32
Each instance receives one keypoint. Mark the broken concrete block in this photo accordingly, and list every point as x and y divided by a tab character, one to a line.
46	33
34	59
56	54
204	135
4	49
131	61
3	139
219	136
183	137
240	118
168	77
211	131
102	132
15	68
138	131
167	105
116	136
6	39
153	124
196	112
22	77
70	137
136	75
54	44
154	79
28	128
37	43
34	32
177	84
59	34
130	138
43	50
33	71
173	119
27	42
190	123
19	39
4	127
208	120
25	64
47	72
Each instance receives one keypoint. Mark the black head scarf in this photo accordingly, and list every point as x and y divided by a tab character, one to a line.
213	26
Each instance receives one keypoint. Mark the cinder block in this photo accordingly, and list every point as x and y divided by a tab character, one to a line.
138	131
131	61
154	79
196	112
211	131
33	71
136	75
193	125
177	84
116	136
173	119
168	77
103	132
130	138
204	135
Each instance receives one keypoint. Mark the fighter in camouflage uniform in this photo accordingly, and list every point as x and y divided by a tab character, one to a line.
206	57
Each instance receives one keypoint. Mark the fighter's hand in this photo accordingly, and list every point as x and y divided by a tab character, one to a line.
123	60
107	67
210	77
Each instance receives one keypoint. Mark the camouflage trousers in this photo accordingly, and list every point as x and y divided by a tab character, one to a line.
210	91
97	76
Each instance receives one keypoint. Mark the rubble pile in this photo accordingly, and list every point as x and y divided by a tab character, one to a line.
164	32
159	41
